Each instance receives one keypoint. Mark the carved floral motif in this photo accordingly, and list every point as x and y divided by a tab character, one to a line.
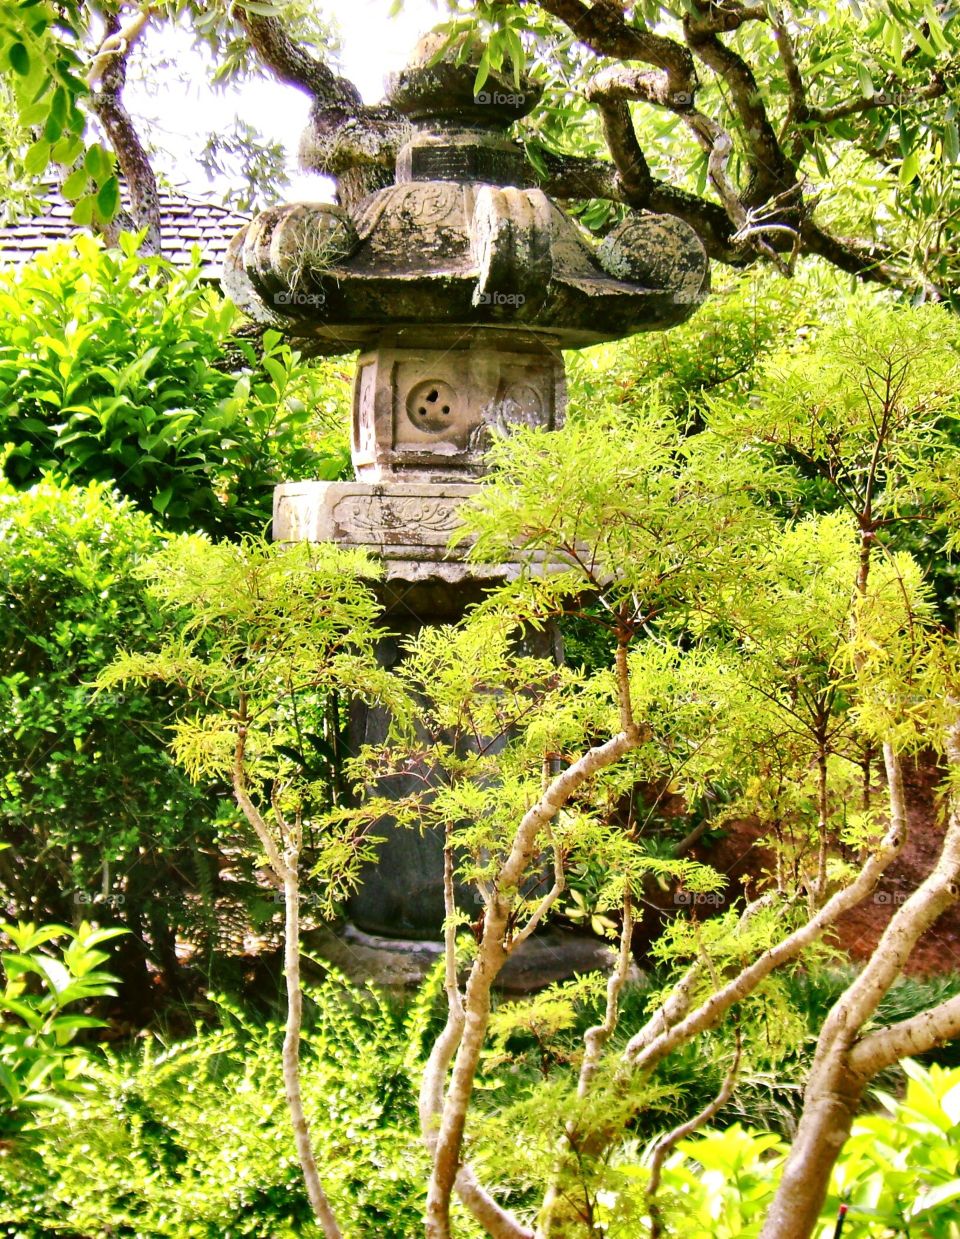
382	517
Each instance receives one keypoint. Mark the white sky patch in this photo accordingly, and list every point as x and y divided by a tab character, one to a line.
177	109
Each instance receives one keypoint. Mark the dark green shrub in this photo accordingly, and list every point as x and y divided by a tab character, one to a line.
99	821
112	370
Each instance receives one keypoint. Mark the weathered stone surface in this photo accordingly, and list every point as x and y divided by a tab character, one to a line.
403	963
402	893
394	518
462	239
426	409
407	524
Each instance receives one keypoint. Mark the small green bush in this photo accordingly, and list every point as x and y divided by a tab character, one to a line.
40	1064
100	822
194	1139
112	369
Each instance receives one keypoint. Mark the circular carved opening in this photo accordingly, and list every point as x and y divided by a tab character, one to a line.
526	400
432	405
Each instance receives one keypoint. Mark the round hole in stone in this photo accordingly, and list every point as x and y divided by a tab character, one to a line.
432	406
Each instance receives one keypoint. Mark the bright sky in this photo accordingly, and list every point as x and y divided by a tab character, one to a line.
177	117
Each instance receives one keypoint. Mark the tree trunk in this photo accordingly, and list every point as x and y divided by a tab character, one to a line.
291	1051
138	175
446	1157
829	1109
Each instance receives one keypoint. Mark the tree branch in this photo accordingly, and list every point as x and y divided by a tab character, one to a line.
770	171
643	1054
495	947
354	144
108	76
602	28
673	1138
595	1038
918	1034
291	63
496	1221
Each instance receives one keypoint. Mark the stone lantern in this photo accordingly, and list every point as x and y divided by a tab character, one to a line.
460	285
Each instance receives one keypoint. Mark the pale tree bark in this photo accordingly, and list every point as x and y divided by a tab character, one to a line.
285	865
495	1220
844	1062
678	1022
556	1202
291	1044
643	1053
497	941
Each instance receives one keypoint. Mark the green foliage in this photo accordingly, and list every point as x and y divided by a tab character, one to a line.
98	819
872	373
864	411
193	1138
900	1171
112	370
39	1064
764	683
721	350
623	498
48	52
720	1183
43	71
257	636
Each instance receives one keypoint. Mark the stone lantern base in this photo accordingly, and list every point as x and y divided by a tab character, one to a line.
407	524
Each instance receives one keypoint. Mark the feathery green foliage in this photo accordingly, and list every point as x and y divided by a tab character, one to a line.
257	636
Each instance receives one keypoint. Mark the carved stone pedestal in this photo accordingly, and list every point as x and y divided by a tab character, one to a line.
407	526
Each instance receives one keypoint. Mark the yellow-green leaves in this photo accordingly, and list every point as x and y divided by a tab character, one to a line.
261	640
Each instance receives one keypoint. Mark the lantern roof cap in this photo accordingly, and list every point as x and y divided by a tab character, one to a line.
464	238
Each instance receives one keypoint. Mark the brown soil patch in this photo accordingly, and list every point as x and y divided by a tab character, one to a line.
740	855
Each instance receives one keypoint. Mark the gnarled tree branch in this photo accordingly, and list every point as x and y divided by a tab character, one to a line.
108	77
354	144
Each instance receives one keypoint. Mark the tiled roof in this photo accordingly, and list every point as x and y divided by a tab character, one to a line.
184	222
